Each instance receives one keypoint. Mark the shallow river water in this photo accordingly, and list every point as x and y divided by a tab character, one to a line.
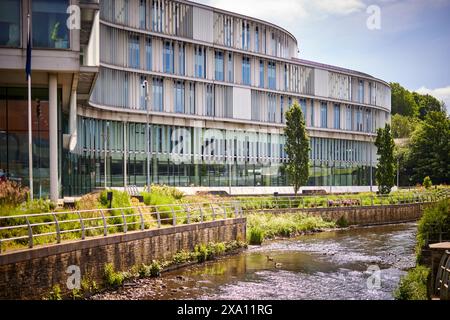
329	265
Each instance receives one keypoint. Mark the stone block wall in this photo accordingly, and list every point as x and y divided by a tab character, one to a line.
31	273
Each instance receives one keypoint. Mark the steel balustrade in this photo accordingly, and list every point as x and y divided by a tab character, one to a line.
85	223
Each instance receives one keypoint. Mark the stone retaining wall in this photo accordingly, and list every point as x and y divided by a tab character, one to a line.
31	273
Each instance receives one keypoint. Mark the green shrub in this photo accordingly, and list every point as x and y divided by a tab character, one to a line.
155	269
112	278
256	236
435	220
55	293
427	183
119	200
182	257
342	222
201	252
413	286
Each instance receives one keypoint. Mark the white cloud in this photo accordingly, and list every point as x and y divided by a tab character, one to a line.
288	12
442	94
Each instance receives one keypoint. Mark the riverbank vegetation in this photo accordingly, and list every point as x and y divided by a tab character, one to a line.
113	279
269	226
434	226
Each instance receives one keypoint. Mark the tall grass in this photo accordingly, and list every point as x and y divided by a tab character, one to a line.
413	286
266	226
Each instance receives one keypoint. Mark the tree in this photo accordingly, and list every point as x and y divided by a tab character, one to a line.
385	174
427	104
430	149
297	147
402	126
403	101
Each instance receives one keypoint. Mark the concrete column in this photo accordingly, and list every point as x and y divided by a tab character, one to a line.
53	136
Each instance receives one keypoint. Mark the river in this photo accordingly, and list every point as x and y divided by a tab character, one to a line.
336	265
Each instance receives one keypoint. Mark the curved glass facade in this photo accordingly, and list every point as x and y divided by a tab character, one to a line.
219	85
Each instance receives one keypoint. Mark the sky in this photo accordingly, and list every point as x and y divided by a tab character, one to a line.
404	41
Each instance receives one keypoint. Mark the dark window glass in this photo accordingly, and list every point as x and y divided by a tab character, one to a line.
50	24
10	23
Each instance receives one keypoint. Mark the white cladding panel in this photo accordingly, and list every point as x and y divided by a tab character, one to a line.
203	25
242	102
321	83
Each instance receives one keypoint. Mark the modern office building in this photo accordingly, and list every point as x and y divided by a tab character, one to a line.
177	93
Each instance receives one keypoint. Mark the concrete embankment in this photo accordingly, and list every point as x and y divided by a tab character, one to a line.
31	273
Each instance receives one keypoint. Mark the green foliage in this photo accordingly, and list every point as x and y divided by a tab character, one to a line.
120	200
435	220
342	222
413	286
403	101
430	149
385	173
256	236
427	104
155	269
297	147
403	126
112	278
55	293
262	226
427	183
165	198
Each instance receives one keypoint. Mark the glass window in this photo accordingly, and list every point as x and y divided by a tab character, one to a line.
323	115
210	112
219	66
142	94
359	120
348	118
179	97
133	51
282	109
286	78
49	19
261	73
337	116
245	36
157	16
142	13
271	73
181	59
168	57
272	107
257	39
200	62
191	107
230	67
361	91
303	106
148	53
312	113
228	27
10	23
157	95
246	71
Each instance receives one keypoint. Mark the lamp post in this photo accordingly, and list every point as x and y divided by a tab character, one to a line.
147	132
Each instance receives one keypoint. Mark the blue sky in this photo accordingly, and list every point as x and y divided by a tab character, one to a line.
411	47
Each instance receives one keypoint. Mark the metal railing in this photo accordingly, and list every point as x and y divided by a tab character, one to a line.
32	229
275	203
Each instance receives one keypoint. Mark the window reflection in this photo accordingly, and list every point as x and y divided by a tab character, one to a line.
49	24
10	23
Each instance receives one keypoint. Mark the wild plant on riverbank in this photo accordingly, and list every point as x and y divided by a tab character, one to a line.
413	286
267	226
